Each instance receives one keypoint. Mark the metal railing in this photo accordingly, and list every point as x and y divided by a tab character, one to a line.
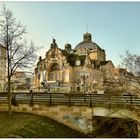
71	99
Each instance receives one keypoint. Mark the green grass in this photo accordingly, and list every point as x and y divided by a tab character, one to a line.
23	125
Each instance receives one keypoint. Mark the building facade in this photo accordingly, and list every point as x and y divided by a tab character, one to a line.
72	70
2	68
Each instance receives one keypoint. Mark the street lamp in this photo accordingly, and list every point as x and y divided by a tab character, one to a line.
94	84
84	75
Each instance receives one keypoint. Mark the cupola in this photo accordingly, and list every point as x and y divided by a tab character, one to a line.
87	37
68	47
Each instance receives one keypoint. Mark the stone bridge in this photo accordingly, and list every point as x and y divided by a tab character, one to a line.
77	111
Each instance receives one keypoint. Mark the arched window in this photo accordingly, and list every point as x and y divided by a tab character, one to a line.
55	67
54	72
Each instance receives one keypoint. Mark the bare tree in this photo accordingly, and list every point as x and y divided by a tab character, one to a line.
125	78
113	84
122	80
20	53
132	63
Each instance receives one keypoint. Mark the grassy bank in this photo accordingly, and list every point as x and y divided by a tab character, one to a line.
32	126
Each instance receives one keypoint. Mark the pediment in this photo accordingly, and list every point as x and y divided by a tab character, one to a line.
53	52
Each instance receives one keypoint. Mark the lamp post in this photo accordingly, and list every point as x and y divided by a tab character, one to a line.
94	84
84	75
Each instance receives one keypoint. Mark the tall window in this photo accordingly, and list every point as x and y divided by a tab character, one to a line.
63	76
44	75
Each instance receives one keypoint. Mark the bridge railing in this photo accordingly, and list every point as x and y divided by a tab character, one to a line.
71	99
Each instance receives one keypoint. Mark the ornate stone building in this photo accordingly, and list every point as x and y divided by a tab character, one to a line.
73	70
2	67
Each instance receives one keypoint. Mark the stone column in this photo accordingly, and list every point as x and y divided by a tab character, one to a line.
47	75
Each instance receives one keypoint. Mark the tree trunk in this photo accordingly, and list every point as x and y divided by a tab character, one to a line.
9	97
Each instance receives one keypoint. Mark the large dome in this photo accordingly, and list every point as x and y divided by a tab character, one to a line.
87	42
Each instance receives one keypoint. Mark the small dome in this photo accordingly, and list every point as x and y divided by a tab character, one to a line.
87	37
68	46
87	42
89	45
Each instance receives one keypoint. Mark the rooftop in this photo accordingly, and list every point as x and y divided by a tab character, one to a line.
87	42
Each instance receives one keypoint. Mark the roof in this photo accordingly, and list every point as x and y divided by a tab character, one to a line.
72	57
89	45
105	62
87	42
1	45
122	71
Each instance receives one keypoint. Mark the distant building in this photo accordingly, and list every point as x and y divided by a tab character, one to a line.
21	81
80	69
2	68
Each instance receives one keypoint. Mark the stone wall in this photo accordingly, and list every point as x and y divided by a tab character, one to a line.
127	113
75	117
79	118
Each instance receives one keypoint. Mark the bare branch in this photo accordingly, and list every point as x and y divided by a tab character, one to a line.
19	53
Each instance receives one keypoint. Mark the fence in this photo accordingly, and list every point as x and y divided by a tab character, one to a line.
71	99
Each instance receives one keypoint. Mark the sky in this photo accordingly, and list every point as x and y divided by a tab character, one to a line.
115	26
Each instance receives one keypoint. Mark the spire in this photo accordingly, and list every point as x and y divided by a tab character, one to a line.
87	28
